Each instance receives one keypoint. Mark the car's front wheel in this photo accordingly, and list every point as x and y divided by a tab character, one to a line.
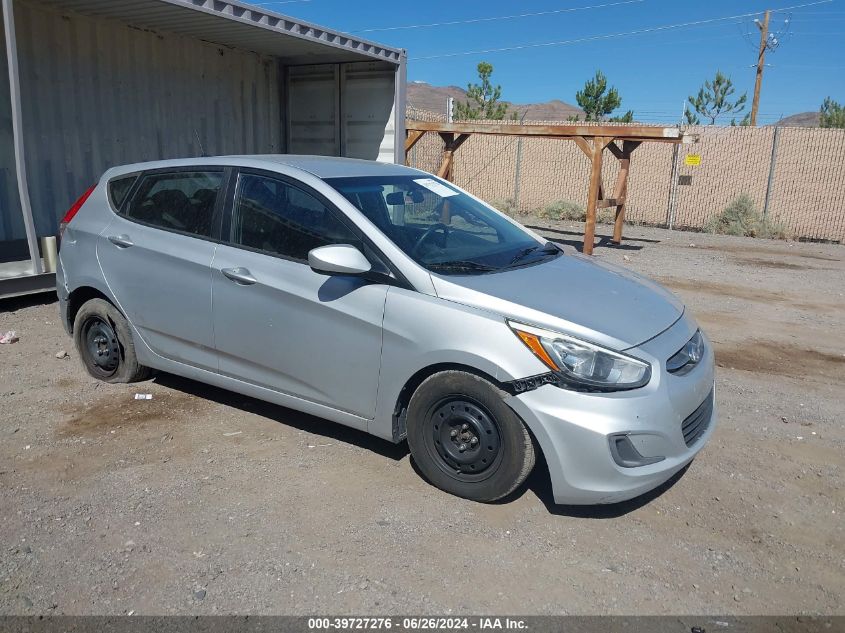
102	338
465	439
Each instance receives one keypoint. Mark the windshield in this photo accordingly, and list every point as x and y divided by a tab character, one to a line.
441	227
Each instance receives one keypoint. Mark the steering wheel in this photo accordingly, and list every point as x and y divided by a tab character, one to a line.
438	226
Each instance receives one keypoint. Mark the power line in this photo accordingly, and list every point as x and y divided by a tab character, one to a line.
817	66
593	38
810	12
745	30
495	18
676	42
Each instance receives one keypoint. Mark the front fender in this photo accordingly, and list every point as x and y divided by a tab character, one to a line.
422	331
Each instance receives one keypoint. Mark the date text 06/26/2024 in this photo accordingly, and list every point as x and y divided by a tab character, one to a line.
415	623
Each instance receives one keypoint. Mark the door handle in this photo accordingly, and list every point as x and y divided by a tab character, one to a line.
239	275
122	241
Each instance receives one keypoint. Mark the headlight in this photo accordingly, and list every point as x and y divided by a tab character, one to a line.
688	356
582	365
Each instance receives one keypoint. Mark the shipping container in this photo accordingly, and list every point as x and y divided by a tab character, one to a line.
88	84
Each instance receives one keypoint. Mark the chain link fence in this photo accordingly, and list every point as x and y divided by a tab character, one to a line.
794	176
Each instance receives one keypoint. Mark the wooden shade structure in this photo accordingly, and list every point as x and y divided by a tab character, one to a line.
620	140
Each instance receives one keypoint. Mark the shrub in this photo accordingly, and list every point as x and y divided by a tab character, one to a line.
741	217
563	210
605	216
574	212
774	231
506	206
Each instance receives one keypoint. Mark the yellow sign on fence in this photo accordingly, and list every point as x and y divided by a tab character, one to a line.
692	159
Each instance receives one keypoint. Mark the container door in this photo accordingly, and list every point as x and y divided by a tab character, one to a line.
342	110
313	107
367	95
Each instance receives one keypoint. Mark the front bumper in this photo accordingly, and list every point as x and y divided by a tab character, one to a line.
573	429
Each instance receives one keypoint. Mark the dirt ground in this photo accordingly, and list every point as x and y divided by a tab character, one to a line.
200	501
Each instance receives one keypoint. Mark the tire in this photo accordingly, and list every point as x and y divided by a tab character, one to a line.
465	439
104	343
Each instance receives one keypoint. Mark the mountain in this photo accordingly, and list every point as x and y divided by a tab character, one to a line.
802	119
424	96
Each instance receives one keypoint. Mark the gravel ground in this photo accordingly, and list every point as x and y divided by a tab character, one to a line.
200	501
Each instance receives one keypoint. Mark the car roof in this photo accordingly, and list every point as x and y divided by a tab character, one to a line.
336	167
320	166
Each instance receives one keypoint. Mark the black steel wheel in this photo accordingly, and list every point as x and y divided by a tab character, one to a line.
100	349
104	341
464	438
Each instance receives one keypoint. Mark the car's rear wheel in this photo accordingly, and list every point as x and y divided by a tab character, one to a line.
104	343
465	439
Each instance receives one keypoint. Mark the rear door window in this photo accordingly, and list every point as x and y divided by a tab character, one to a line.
181	201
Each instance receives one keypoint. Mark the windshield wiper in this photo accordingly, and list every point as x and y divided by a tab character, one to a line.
548	247
461	265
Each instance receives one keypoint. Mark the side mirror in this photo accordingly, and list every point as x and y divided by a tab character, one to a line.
338	259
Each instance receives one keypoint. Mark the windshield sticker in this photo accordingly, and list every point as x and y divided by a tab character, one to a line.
432	185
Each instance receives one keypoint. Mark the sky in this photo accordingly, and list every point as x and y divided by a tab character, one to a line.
655	68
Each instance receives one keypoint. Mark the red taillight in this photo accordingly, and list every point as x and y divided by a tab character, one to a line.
74	209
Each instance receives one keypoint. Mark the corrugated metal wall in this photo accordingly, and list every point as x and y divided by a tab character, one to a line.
98	93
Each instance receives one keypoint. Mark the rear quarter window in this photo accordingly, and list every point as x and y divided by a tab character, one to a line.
119	188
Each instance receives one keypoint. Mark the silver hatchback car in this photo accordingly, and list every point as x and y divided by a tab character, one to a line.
383	298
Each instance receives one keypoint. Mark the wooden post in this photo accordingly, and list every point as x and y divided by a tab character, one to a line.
410	141
761	63
620	192
446	161
452	143
599	143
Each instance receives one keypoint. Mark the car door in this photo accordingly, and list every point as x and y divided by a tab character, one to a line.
156	256
277	323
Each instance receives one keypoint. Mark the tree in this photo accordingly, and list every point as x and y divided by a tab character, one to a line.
482	99
713	100
831	114
743	122
597	100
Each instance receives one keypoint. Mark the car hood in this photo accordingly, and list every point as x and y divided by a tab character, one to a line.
574	294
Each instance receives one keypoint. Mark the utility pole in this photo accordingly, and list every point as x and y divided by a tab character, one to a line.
761	58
